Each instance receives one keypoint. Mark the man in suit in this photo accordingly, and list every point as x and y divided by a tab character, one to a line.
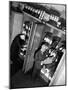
15	52
39	56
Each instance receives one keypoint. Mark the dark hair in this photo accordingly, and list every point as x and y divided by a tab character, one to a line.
48	34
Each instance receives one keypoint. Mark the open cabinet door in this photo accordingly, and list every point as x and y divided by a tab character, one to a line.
34	43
